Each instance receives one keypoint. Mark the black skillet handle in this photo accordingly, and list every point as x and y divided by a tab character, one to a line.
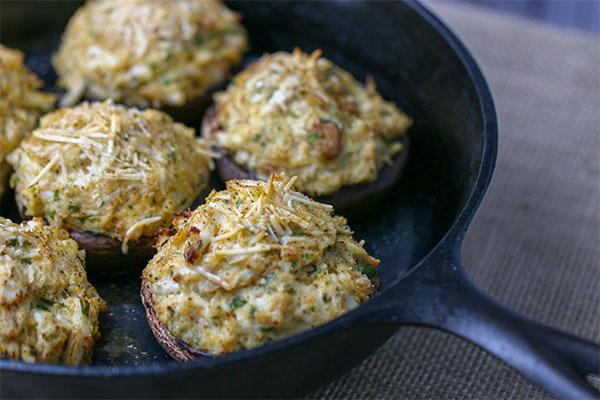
439	294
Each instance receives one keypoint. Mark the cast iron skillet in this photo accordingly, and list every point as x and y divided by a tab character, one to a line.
417	233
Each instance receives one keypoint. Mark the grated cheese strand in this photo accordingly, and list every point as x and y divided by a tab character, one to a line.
248	250
226	235
209	153
53	138
63	166
45	170
214	278
133	228
290	184
296	196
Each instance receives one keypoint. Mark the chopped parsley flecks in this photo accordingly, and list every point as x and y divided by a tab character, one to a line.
236	303
367	270
47	301
205	38
196	340
85	307
270	276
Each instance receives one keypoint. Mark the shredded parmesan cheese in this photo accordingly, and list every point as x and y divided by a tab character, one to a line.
45	170
248	250
214	278
133	229
226	235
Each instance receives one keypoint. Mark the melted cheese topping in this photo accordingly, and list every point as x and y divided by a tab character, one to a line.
48	309
21	104
110	170
259	261
303	115
148	52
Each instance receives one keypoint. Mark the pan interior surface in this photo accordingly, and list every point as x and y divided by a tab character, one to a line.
412	65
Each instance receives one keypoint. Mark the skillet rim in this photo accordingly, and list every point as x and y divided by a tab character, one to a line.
452	237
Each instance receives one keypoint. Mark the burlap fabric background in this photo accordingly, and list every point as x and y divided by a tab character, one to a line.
534	244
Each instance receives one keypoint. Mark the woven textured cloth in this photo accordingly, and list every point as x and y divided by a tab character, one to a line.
534	243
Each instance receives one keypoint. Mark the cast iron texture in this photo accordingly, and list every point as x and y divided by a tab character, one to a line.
416	232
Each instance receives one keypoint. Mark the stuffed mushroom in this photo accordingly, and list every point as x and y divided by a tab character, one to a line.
21	104
257	262
145	53
110	175
48	309
302	115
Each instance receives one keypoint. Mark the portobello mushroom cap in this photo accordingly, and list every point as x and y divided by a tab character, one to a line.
314	268
350	200
156	168
165	55
52	318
